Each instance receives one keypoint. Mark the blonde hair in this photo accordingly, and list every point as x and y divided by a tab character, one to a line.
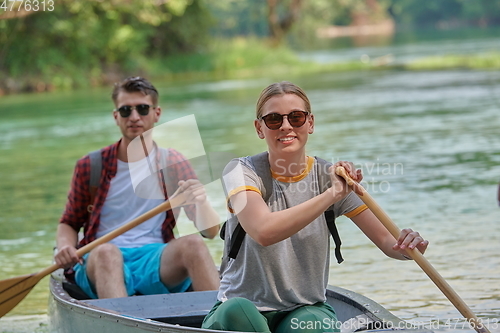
280	88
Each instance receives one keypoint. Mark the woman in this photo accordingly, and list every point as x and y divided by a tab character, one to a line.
278	280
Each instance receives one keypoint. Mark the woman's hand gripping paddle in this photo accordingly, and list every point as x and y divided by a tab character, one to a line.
417	256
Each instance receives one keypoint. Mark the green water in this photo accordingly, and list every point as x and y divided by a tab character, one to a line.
427	142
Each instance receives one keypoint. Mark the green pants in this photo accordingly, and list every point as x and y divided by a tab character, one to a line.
240	314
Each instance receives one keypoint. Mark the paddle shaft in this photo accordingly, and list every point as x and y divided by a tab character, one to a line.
418	257
13	290
174	202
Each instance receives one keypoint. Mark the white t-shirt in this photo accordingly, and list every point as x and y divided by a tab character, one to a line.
123	204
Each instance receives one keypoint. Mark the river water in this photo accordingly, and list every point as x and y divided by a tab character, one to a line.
427	142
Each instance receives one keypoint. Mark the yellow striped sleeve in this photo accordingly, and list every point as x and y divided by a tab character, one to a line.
238	190
356	211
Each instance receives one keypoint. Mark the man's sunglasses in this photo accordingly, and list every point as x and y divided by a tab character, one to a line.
274	121
126	110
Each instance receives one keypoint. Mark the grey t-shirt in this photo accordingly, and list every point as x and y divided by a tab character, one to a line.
289	273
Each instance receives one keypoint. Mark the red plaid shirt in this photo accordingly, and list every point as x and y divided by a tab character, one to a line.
76	214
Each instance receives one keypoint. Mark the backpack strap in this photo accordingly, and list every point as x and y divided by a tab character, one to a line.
95	176
96	170
236	240
324	182
263	170
163	169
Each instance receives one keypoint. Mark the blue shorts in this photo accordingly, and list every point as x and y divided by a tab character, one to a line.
141	268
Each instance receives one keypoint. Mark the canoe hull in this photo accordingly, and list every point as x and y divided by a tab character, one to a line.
176	313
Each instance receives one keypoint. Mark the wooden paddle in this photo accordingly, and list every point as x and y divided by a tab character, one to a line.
13	290
417	256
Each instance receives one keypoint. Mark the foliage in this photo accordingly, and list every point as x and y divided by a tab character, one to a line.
480	61
245	17
239	18
282	16
94	41
446	13
230	57
320	13
264	18
184	32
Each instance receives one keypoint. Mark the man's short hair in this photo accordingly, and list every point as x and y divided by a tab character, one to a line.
135	84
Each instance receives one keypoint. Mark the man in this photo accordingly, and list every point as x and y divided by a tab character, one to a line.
147	259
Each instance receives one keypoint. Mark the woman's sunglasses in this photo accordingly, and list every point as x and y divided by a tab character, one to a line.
274	121
126	110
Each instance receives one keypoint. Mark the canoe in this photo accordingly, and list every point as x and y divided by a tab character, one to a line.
184	312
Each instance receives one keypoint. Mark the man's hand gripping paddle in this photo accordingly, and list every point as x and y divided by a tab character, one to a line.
13	290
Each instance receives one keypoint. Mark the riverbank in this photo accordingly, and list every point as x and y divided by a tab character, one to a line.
25	324
225	59
230	59
452	61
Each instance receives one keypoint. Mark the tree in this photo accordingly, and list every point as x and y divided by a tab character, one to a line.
94	42
280	25
445	13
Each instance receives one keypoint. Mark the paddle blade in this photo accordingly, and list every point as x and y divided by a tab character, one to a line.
13	291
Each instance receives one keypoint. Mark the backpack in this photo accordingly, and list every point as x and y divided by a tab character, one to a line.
263	170
95	176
